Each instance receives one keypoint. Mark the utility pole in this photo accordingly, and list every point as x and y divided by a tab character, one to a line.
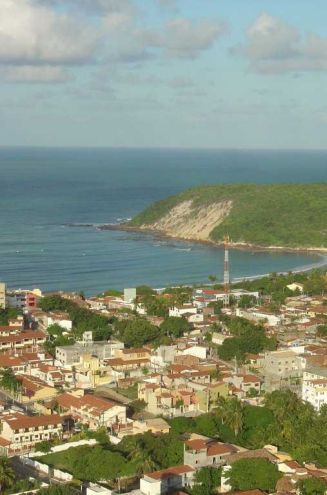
226	271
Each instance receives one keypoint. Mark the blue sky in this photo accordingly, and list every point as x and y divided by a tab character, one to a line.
170	73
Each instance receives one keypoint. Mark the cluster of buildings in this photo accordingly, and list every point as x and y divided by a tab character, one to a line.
83	384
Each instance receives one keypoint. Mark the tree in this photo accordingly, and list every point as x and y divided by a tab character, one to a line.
234	415
55	330
8	381
175	326
136	333
207	480
7	475
249	474
312	486
57	490
246	301
44	446
252	392
322	331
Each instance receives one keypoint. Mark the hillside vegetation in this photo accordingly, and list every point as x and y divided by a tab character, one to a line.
285	215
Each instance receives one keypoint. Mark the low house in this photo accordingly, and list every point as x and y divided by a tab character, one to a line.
20	433
52	375
60	318
201	452
246	383
181	310
92	411
295	286
167	480
34	389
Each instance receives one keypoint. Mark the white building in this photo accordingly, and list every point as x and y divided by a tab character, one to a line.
315	392
196	350
60	318
129	295
2	295
295	286
179	311
168	480
314	386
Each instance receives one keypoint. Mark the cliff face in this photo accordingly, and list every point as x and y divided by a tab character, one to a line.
271	215
187	221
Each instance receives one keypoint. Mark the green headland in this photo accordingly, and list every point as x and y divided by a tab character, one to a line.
290	216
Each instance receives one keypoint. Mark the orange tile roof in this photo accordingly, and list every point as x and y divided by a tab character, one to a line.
172	471
20	421
4	442
250	378
96	405
8	361
66	401
220	448
197	444
20	337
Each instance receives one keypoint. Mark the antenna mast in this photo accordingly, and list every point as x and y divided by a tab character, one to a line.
226	271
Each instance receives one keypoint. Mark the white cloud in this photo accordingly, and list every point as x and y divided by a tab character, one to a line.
95	6
36	35
178	38
34	74
187	39
273	46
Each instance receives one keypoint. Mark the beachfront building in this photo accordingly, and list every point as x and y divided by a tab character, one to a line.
2	295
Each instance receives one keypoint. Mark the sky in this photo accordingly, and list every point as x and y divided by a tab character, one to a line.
163	73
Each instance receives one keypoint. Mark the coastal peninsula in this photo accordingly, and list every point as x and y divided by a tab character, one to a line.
274	216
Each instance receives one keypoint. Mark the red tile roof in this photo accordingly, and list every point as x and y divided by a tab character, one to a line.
172	471
20	421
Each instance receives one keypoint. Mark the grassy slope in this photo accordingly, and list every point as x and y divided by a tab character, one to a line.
290	215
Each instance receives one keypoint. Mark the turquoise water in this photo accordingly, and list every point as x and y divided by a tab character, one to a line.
43	191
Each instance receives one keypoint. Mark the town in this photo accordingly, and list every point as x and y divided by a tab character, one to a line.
207	389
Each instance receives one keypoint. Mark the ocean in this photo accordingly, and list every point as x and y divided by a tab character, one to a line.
45	193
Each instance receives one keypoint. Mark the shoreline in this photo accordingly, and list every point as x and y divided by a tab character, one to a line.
242	246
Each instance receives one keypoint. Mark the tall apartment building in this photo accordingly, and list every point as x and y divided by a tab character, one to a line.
2	295
283	369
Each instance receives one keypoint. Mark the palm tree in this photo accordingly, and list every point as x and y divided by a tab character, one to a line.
142	460
7	475
222	408
234	414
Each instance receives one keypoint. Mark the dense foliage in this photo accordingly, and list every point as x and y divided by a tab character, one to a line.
247	338
249	474
83	319
57	490
285	421
134	455
275	286
7	314
174	326
136	332
8	381
207	480
312	486
7	475
267	214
